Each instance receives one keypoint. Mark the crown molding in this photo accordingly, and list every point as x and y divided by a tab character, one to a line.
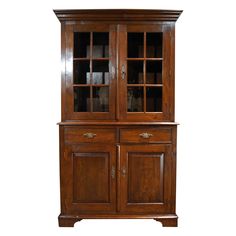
118	15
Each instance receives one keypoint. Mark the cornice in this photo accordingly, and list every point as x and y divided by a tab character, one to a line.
118	15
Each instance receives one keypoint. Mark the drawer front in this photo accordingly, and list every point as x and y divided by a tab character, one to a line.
148	135
86	135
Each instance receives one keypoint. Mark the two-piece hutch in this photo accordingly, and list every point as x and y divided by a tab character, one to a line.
118	133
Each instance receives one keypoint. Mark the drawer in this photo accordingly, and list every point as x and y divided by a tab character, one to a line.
148	135
86	135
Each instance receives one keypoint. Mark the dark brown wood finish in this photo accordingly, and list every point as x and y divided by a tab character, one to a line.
117	163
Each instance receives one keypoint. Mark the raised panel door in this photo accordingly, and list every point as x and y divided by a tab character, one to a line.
145	178
89	179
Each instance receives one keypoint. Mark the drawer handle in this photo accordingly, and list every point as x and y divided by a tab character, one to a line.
89	135
145	135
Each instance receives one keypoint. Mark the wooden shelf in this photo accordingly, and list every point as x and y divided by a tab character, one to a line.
93	85
147	85
145	59
94	59
81	59
101	59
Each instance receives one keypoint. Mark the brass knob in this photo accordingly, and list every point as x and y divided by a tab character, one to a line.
145	135
89	135
123	171
123	73
113	172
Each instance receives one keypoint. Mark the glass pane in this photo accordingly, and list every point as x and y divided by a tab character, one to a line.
154	99
100	72
81	44
135	45
81	72
154	45
81	99
100	99
154	72
135	99
135	72
100	45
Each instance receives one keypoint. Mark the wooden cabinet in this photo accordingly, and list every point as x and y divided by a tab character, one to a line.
117	133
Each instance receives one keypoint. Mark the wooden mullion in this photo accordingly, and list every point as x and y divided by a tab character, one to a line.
90	72
144	72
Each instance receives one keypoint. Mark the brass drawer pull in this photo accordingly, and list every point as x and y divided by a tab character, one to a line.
89	135
145	135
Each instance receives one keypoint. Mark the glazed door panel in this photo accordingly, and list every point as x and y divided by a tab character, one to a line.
89	176
145	178
90	83
146	72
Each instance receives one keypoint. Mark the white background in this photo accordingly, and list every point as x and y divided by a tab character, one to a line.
30	109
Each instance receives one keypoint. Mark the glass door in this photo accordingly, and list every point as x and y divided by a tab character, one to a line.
143	66
92	79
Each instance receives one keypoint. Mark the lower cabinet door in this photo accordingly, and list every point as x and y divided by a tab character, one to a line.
88	179
145	178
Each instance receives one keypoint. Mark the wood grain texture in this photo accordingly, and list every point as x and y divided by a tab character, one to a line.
91	177
145	177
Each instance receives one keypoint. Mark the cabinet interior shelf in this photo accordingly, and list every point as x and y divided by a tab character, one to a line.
146	85
92	85
90	58
145	58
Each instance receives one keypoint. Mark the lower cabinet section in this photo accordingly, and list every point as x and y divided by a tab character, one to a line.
117	179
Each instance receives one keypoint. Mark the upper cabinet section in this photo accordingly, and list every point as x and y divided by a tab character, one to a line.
118	64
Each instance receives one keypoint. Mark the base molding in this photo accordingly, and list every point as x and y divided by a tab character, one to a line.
167	220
